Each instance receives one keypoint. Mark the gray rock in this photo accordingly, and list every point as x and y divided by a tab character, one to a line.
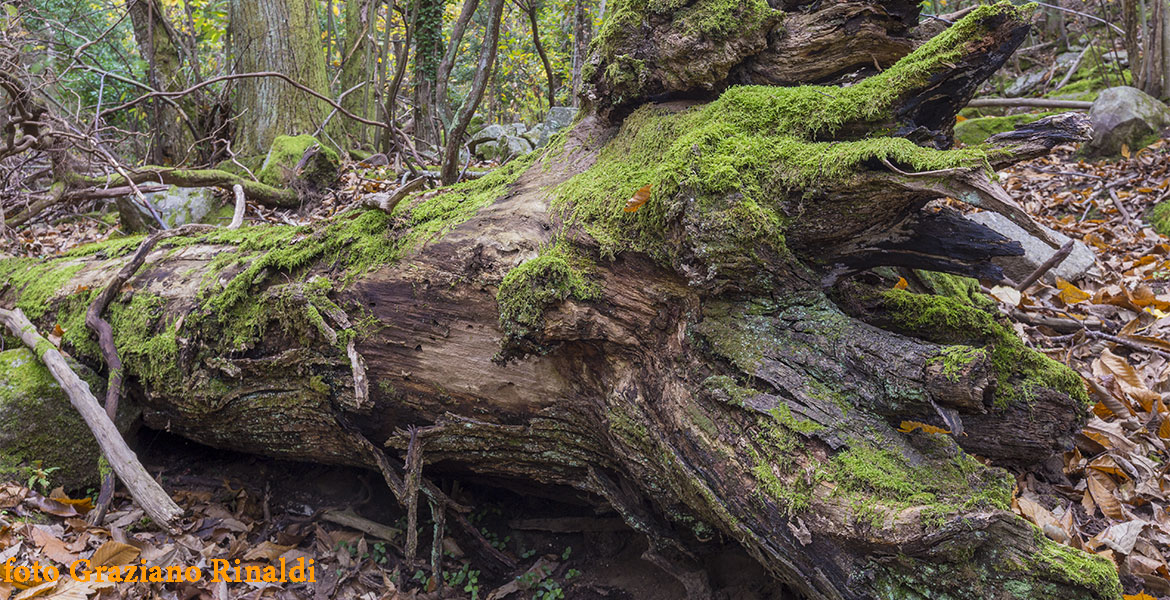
559	117
1079	263
537	136
1125	115
487	150
517	129
1024	84
176	205
491	132
515	146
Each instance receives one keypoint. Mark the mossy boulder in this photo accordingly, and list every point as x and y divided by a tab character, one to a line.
1125	116
280	166
974	131
38	424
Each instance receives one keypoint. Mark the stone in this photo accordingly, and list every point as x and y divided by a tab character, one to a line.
1025	83
517	129
1079	263
37	423
492	132
514	146
1125	115
374	160
487	150
537	136
279	168
177	206
558	118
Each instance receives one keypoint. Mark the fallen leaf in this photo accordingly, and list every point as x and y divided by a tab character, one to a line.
910	426
113	554
639	198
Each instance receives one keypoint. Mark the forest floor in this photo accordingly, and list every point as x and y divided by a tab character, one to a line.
1108	495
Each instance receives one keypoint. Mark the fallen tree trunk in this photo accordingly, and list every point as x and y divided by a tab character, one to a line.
704	361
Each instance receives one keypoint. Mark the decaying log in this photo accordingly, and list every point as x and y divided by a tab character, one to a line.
142	487
691	365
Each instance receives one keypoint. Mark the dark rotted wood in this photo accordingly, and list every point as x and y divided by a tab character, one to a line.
823	41
935	241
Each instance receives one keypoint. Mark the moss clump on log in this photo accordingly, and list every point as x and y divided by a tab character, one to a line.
554	276
1019	370
737	157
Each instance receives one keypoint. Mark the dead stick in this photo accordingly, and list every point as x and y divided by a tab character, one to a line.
1125	218
388	203
105	333
142	487
1056	258
241	205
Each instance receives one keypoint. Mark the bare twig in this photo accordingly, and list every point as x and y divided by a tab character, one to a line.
1044	267
142	487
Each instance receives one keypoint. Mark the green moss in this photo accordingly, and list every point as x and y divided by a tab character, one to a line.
113	247
286	152
975	131
954	360
726	389
37	282
554	276
1159	217
964	289
1087	570
1019	370
38	425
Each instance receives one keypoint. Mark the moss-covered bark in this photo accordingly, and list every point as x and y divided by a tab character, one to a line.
685	363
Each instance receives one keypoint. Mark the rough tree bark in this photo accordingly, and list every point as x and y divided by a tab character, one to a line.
714	365
282	36
360	17
159	48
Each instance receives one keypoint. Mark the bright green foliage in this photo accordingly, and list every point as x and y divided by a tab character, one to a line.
1083	568
527	290
954	360
1019	370
37	281
964	289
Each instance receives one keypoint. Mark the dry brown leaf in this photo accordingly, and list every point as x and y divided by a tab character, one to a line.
266	551
113	553
1103	489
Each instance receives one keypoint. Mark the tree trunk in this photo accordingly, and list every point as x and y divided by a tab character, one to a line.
360	16
582	35
428	52
484	69
160	50
443	75
282	36
530	10
705	360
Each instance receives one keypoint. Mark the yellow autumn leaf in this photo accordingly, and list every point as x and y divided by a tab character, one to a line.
910	426
1125	150
1138	596
1069	293
902	284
